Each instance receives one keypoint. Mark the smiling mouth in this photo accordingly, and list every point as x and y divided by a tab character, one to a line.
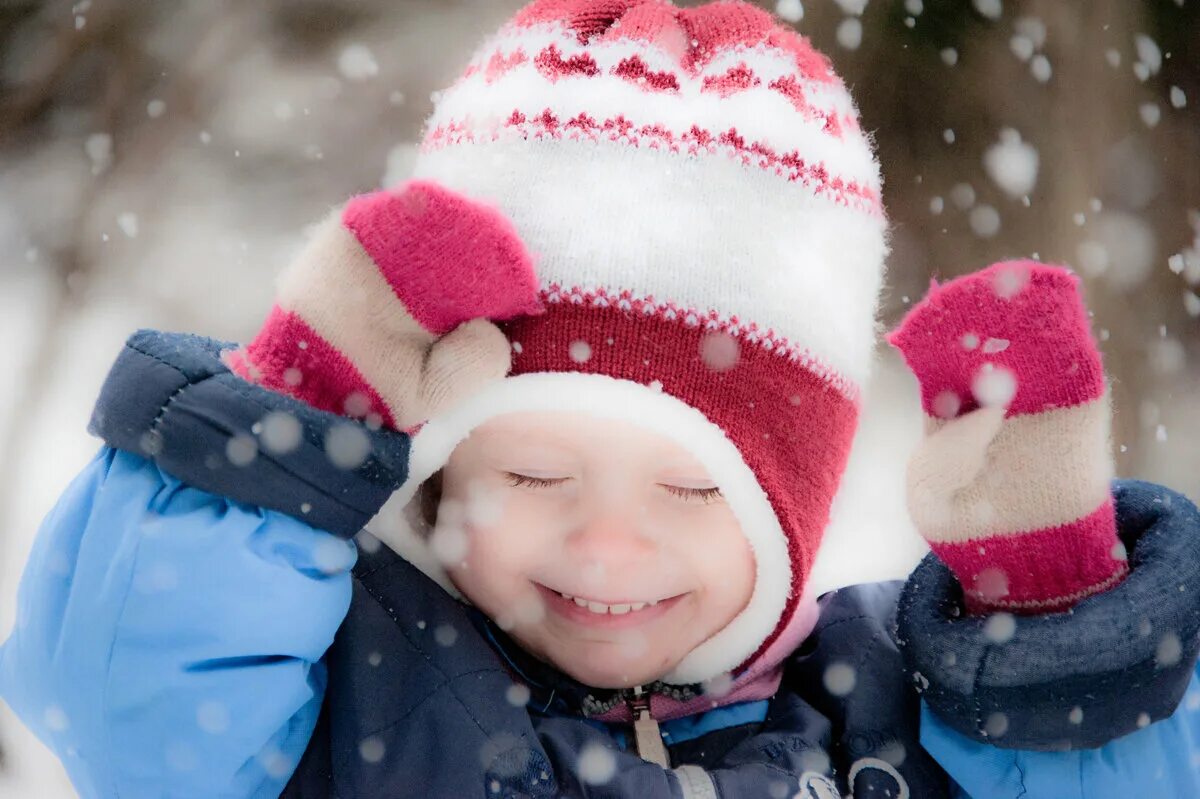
594	612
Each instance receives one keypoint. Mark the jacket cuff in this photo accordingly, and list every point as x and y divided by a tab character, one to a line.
171	399
1116	662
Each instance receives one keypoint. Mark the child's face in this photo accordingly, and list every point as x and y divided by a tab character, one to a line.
607	513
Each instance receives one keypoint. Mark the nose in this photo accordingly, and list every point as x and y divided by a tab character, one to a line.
612	536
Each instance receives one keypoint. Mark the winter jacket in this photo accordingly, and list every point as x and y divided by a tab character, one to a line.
188	627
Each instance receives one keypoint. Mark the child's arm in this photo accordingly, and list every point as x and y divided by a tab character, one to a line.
1055	629
180	596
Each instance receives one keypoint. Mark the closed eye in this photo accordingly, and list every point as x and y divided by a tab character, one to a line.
705	495
515	479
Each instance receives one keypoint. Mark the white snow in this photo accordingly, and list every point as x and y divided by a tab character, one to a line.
962	195
1169	651
850	32
1012	164
280	432
596	765
1178	97
128	222
347	446
719	351
994	386
992	9
580	351
790	10
98	147
1150	113
985	221
371	749
949	56
357	62
1000	628
1039	67
1033	29
1148	52
839	678
854	7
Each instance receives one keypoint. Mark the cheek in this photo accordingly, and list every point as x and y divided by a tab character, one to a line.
503	550
725	564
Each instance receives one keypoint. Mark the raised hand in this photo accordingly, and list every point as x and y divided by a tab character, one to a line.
385	314
1011	485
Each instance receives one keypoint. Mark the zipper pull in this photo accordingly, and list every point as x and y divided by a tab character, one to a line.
645	730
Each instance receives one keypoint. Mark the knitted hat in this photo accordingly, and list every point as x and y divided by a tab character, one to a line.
704	211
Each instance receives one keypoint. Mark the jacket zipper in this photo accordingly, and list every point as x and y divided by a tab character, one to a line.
646	732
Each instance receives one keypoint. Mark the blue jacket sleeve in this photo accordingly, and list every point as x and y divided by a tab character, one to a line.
1155	761
1098	702
179	598
168	640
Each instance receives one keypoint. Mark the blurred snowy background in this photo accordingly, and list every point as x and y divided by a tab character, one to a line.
159	162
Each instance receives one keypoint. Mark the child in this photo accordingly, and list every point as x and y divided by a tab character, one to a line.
589	578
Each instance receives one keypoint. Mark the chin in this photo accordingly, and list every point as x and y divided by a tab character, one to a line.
605	666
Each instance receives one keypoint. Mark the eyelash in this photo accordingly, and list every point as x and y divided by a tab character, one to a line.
704	494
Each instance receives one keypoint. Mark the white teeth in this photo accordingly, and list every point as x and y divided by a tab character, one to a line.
602	609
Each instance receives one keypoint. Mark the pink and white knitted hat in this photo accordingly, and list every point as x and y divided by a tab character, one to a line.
704	211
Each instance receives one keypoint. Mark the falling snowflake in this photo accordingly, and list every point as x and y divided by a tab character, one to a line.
580	351
1000	628
597	765
994	386
347	446
99	147
962	195
719	351
357	62
1148	53
992	9
984	221
371	749
212	717
1039	67
946	405
517	695
241	450
279	432
445	635
128	222
850	33
790	10
996	725
1012	164
1150	113
840	678
854	7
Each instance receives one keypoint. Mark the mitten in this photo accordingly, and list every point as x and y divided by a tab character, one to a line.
384	315
1011	484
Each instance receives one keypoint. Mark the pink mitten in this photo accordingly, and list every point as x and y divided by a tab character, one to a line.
385	313
1011	485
